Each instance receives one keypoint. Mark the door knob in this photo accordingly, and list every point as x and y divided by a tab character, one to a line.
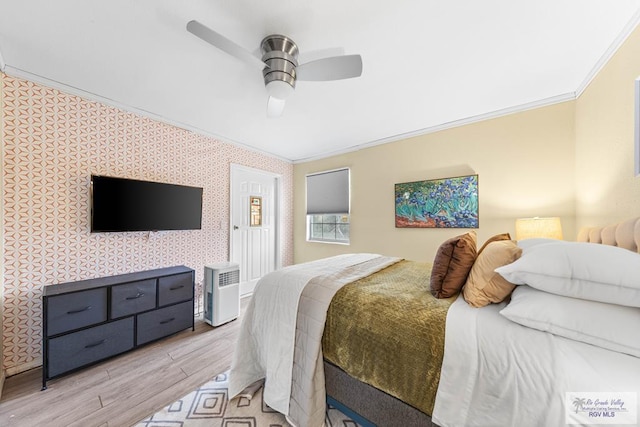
235	227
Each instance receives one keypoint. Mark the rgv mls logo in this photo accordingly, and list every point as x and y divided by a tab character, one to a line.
601	408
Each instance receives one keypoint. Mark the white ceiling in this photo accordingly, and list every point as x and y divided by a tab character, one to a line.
427	64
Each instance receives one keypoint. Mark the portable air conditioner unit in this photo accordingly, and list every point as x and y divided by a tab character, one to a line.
221	293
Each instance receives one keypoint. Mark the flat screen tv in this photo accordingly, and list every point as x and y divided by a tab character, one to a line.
119	204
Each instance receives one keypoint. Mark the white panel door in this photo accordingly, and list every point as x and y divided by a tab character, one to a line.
253	243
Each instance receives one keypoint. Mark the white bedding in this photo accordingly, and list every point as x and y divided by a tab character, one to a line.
271	325
498	373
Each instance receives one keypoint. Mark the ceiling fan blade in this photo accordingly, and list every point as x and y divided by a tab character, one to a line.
312	55
333	68
224	44
275	107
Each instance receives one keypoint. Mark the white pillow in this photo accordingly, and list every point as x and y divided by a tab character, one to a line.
580	270
605	325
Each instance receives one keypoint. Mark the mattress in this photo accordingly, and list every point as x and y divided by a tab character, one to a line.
497	372
281	333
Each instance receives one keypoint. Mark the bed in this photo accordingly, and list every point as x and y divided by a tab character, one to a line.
490	368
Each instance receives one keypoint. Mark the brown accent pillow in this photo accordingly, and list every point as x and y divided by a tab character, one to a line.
496	238
452	264
484	285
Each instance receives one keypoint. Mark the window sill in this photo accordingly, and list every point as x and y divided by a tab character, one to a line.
331	242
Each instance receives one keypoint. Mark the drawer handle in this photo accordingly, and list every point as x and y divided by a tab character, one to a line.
140	294
173	288
167	321
80	310
95	344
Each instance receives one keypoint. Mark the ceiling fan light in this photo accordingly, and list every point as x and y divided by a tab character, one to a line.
279	89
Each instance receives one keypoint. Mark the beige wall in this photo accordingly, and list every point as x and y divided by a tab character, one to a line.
574	160
606	187
525	163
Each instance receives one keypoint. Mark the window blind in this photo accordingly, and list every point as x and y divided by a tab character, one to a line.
328	192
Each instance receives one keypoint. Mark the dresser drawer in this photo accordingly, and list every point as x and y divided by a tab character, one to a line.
133	298
175	288
76	310
165	321
90	345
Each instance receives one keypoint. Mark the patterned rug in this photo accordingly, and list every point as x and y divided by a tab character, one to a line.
210	406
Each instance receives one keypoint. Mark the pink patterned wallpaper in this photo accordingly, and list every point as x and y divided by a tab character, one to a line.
52	143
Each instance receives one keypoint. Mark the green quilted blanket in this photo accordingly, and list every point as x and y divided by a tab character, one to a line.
387	330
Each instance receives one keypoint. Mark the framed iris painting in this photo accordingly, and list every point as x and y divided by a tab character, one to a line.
438	203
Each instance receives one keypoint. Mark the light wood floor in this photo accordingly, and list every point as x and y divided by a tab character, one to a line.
122	391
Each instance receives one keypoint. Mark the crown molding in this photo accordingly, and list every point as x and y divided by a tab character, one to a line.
3	64
613	48
571	96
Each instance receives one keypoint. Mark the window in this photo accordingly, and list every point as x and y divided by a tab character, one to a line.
329	228
328	199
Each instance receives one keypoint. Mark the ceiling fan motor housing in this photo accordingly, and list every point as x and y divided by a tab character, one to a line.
280	53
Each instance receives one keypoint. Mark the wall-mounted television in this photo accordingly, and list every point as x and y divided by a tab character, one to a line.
120	204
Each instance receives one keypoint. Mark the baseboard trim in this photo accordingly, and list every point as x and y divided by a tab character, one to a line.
23	368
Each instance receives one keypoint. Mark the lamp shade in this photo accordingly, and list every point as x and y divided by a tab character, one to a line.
527	228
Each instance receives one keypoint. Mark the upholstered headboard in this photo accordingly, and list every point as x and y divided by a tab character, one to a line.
625	234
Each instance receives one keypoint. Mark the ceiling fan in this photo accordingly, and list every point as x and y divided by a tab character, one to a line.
279	64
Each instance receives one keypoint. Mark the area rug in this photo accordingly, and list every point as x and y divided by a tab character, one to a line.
210	406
